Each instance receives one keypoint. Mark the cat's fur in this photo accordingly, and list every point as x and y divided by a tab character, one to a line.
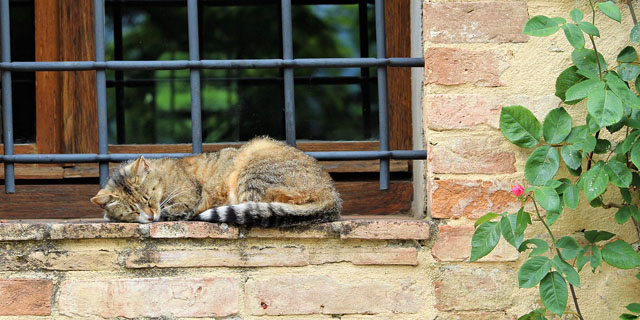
264	183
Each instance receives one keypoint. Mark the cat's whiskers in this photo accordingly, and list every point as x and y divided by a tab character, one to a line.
170	197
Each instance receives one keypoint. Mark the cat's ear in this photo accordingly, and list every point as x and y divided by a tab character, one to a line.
102	197
139	167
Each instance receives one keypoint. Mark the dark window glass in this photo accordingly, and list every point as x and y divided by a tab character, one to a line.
154	106
23	83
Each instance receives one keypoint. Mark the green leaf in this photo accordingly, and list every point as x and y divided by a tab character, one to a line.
520	126
626	195
582	259
628	54
508	227
574	35
621	90
553	184
594	236
635	33
548	198
540	26
605	107
628	142
552	217
485	218
564	184
596	203
633	307
566	80
556	126
585	60
620	255
623	214
602	146
542	165
626	316
571	197
628	72
581	89
595	181
554	292
635	154
532	271
567	270
596	257
534	315
638	276
578	134
576	15
571	156
610	10
635	213
522	220
484	239
569	246
540	246
618	173
589	28
592	125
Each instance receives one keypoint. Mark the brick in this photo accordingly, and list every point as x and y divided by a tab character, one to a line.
25	297
192	229
150	297
450	66
477	22
100	230
254	257
75	260
472	154
366	256
471	289
385	229
454	244
22	231
466	111
314	231
470	198
322	294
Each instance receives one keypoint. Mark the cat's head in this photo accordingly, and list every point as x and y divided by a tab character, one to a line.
131	194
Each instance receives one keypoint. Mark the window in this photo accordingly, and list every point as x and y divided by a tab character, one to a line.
149	110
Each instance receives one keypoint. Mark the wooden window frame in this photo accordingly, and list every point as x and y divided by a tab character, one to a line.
66	112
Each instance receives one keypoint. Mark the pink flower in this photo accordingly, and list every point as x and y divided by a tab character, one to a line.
517	190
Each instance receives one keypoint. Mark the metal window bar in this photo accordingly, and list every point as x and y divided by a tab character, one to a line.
288	63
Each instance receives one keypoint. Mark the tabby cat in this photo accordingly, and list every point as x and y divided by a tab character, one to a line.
264	183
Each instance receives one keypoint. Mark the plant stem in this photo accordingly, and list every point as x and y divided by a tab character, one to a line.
633	14
553	238
593	43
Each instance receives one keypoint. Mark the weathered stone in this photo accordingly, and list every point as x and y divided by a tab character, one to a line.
192	229
22	231
322	294
254	257
499	315
150	297
454	244
472	154
314	231
385	229
469	289
100	230
25	297
75	260
474	22
366	256
470	198
451	66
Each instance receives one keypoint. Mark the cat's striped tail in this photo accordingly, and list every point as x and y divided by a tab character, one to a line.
272	214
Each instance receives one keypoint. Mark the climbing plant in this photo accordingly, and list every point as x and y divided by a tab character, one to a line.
596	164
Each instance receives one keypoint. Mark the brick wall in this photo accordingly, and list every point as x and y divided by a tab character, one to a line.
477	61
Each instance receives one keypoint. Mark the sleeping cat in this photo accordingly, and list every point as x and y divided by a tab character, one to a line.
264	183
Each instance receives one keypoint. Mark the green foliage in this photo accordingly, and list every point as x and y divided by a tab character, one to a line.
608	93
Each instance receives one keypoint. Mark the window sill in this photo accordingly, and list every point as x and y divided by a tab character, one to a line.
379	228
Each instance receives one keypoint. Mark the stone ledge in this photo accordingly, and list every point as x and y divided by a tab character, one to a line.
372	229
